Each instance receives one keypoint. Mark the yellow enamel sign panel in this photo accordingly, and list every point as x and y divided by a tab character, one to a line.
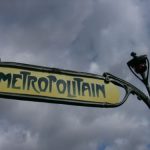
53	85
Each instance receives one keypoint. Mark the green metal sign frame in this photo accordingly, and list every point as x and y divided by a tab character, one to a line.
31	83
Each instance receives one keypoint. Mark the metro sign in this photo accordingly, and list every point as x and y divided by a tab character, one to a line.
43	84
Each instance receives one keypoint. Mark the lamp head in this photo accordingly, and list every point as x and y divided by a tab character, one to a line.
138	63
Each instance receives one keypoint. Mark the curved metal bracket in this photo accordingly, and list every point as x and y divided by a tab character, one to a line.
129	88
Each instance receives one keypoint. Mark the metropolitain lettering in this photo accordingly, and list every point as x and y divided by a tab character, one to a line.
77	86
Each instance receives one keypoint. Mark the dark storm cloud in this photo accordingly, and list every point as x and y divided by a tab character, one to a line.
45	28
109	33
85	35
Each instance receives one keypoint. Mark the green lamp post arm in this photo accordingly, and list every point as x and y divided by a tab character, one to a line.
129	88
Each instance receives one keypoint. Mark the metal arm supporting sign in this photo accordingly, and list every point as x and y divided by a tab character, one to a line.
129	88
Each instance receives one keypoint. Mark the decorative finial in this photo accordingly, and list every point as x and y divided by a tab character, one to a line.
133	54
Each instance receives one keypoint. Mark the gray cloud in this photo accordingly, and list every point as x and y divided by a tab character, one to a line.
85	35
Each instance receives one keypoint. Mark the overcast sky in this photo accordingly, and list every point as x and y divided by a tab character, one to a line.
84	35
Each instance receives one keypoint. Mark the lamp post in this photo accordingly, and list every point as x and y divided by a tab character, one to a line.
139	66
